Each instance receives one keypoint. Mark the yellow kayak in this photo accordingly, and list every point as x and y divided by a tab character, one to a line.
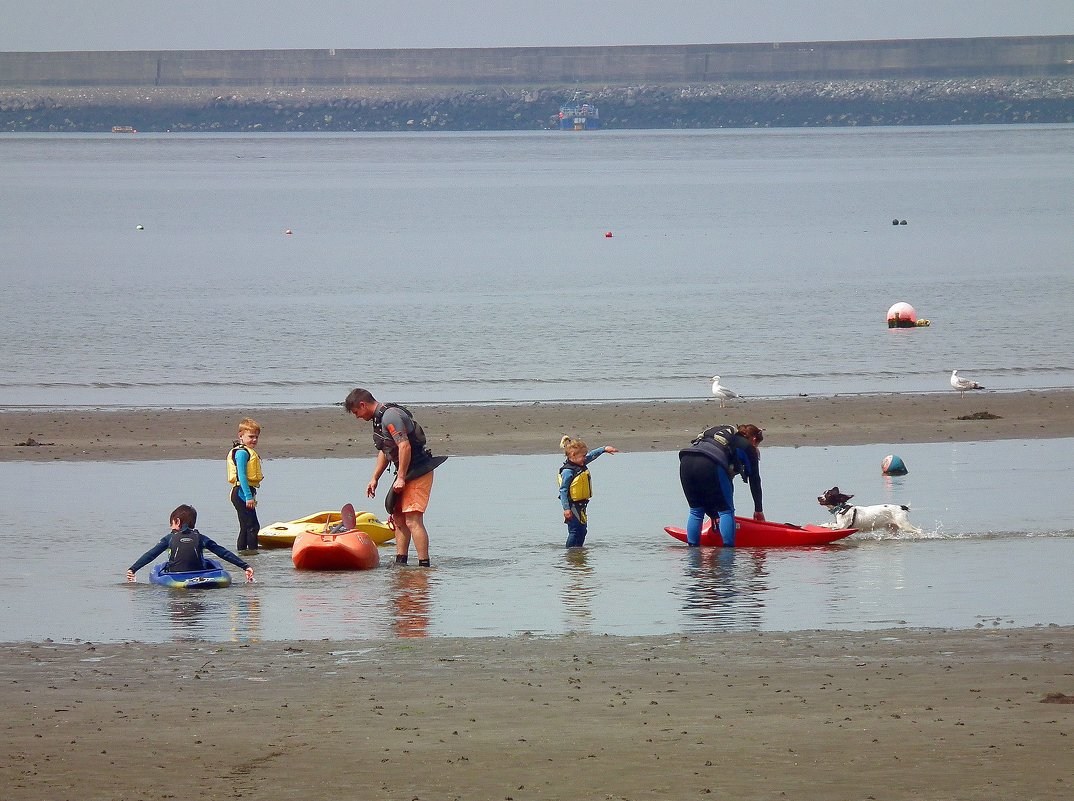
283	535
377	530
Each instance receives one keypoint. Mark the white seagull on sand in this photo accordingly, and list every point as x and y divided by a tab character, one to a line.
721	392
963	384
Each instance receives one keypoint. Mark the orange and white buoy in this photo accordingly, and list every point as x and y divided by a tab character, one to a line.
902	315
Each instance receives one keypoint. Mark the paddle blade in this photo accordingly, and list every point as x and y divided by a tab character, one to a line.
349	518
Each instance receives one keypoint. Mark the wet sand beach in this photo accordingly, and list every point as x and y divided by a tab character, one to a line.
900	714
536	428
883	715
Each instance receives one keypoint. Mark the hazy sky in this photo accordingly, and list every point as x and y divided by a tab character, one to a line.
251	24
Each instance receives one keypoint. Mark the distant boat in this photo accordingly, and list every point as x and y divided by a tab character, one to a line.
578	117
123	129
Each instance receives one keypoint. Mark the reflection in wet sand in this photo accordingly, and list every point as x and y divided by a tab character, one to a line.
246	618
579	590
724	588
410	601
331	601
186	612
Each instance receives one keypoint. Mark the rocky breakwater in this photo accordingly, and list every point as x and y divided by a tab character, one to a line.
739	104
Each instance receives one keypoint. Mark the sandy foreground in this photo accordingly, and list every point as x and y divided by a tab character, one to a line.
902	714
536	428
878	716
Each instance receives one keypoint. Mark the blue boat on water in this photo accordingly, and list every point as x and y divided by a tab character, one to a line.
213	576
578	117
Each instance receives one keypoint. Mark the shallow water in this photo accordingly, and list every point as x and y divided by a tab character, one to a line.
998	540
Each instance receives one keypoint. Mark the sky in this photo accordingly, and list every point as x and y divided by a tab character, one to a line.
44	25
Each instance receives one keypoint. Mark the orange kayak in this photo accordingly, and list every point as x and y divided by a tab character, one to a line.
347	550
283	535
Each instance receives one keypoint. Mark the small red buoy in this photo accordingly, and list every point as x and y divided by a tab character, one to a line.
607	234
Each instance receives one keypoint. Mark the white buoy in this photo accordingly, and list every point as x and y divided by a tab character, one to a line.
140	227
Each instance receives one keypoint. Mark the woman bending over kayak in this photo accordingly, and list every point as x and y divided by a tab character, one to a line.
706	469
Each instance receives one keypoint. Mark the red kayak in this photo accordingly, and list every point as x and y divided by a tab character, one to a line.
345	550
757	534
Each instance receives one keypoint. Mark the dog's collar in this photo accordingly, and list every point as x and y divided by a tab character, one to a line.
839	509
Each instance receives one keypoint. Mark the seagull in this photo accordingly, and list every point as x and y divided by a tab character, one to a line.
722	392
963	384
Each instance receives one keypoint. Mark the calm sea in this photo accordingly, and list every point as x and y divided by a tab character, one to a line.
995	551
476	267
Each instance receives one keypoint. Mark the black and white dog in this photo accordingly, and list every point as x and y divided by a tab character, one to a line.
866	518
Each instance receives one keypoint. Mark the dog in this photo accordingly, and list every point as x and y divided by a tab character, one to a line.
866	518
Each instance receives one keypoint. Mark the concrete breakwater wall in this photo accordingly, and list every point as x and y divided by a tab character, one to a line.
931	81
731	105
1026	56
